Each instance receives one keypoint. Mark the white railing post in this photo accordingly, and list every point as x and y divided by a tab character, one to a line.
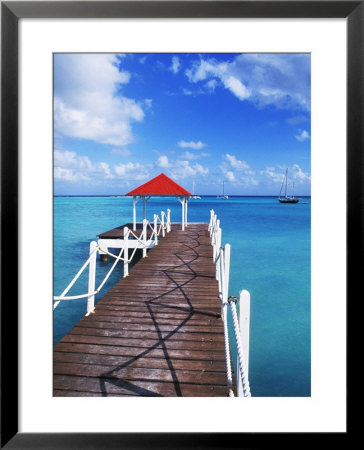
155	229
168	220
220	273
226	271
144	208
162	220
210	223
126	253
244	325
213	242
218	244
213	224
91	279
144	238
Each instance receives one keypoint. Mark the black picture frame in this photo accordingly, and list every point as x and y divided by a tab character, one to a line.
11	12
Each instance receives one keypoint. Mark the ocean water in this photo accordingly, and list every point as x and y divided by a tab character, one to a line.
270	257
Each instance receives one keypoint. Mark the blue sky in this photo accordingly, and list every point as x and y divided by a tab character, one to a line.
121	119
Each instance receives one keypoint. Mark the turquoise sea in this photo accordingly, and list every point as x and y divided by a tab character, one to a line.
270	257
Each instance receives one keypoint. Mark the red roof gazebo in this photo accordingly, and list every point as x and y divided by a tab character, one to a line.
160	186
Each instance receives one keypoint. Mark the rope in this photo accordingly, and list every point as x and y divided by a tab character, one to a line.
112	254
78	273
58	299
144	244
110	271
229	375
242	366
72	297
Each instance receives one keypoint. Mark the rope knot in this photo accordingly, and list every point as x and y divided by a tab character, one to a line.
232	298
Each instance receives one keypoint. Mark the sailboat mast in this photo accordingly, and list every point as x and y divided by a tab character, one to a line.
285	191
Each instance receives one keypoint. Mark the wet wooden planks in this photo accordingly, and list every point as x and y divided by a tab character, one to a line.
157	332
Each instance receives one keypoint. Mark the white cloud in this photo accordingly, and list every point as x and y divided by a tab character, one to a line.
232	164
272	174
299	175
65	159
132	171
237	87
201	170
230	175
191	144
283	80
302	136
236	163
87	99
61	173
148	102
194	92
193	156
181	169
249	181
176	64
162	161
295	174
295	120
211	85
189	155
69	166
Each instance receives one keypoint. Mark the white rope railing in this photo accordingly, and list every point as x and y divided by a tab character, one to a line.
76	277
144	243
241	361
221	257
229	375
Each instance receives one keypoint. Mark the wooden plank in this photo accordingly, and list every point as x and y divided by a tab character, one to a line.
180	336
155	307
128	373
106	387
144	343
149	321
114	361
170	329
137	352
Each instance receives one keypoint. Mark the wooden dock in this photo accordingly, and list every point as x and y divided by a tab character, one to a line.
157	332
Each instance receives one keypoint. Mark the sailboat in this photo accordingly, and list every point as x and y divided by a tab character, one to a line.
223	192
193	191
287	198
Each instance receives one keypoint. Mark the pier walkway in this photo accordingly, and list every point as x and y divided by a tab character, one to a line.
157	332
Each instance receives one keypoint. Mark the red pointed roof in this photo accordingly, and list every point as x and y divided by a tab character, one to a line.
160	185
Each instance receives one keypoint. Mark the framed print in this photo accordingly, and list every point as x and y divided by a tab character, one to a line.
177	100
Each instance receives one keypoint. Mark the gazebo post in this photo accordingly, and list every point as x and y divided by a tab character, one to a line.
134	212
186	201
144	207
182	201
